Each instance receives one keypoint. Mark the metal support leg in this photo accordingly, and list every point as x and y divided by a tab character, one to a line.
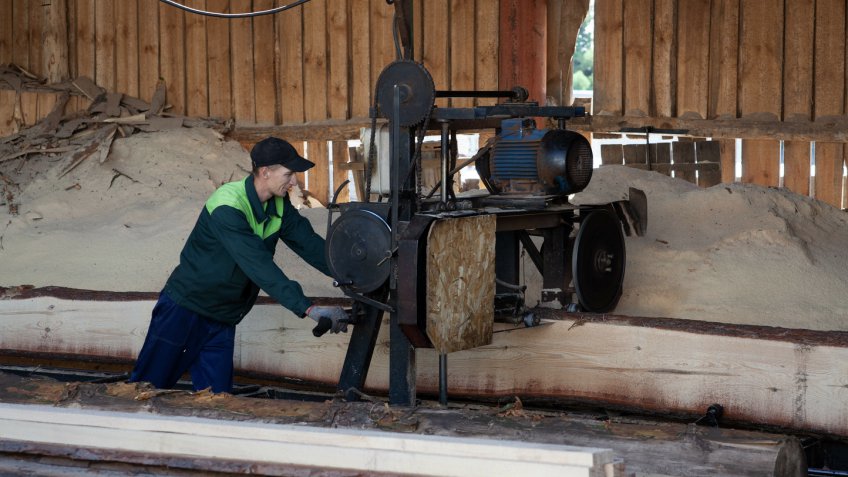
359	352
401	367
443	379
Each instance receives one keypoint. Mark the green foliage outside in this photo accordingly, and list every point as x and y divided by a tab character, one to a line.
584	53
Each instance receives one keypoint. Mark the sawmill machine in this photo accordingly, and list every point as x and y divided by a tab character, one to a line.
444	265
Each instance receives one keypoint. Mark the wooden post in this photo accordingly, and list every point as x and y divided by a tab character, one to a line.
523	46
55	40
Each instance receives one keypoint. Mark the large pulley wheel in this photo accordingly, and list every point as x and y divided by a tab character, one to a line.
358	250
416	91
597	262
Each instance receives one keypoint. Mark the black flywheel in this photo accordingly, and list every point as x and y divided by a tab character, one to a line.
416	92
358	246
598	261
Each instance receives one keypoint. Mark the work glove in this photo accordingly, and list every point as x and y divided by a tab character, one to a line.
337	316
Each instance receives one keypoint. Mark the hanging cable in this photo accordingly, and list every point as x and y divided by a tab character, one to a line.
283	8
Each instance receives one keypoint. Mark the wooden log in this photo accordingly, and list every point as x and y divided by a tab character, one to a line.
486	48
148	48
54	38
196	71
663	84
218	58
684	153
637	57
609	75
104	40
436	52
264	47
126	47
790	378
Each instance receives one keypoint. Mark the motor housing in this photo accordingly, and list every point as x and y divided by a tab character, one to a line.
526	160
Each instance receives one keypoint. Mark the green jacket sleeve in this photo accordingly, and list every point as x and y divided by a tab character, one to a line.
255	259
297	233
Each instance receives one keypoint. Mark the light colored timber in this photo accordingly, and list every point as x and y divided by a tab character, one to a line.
362	450
795	379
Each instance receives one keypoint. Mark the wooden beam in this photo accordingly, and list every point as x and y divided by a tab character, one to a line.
650	364
362	450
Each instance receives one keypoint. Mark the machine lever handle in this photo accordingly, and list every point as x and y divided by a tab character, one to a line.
323	326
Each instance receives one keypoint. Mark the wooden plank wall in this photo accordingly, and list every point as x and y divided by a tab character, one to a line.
312	63
779	60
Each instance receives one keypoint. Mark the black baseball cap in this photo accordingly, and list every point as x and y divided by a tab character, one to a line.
272	150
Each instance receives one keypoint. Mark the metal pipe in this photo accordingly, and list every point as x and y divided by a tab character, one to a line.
475	94
445	160
443	379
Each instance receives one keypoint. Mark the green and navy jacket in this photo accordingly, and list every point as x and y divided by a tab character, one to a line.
228	257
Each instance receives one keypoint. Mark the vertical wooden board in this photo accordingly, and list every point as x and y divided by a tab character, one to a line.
290	36
684	153
608	97
319	176
724	59
264	70
635	153
760	80
85	38
693	34
172	60
7	112
382	44
340	156
218	60
460	282
197	85
797	90
126	47
728	160
20	40
35	31
708	152
148	48
637	57
300	147
72	42
436	54
829	99
611	154
523	47
104	39
796	166
828	185
661	156
664	78
360	69
244	88
46	103
315	67
554	65
7	35
29	108
761	162
462	54
339	65
486	48
54	60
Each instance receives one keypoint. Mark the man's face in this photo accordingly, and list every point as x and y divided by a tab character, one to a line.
280	179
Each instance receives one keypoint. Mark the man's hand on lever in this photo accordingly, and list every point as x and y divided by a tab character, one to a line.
329	318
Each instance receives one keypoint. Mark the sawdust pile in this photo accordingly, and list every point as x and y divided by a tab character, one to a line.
733	253
120	225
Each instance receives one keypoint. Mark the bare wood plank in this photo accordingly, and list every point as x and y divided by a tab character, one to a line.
290	34
104	39
244	88
319	176
148	48
340	174
46	103
462	56
564	20
693	31
664	80
436	54
264	46
55	40
339	60
829	95
661	156
20	47
612	154
85	38
172	60
486	48
797	90
608	97
684	153
637	57
635	153
315	60
382	45
523	47
197	85
728	160
218	59
7	33
724	61
708	152
8	99
35	33
360	69
126	47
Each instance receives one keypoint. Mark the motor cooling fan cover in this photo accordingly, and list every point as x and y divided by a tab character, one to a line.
598	262
357	246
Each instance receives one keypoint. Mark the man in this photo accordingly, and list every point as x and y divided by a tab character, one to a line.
226	260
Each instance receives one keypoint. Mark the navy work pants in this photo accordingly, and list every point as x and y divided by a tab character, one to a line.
179	340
